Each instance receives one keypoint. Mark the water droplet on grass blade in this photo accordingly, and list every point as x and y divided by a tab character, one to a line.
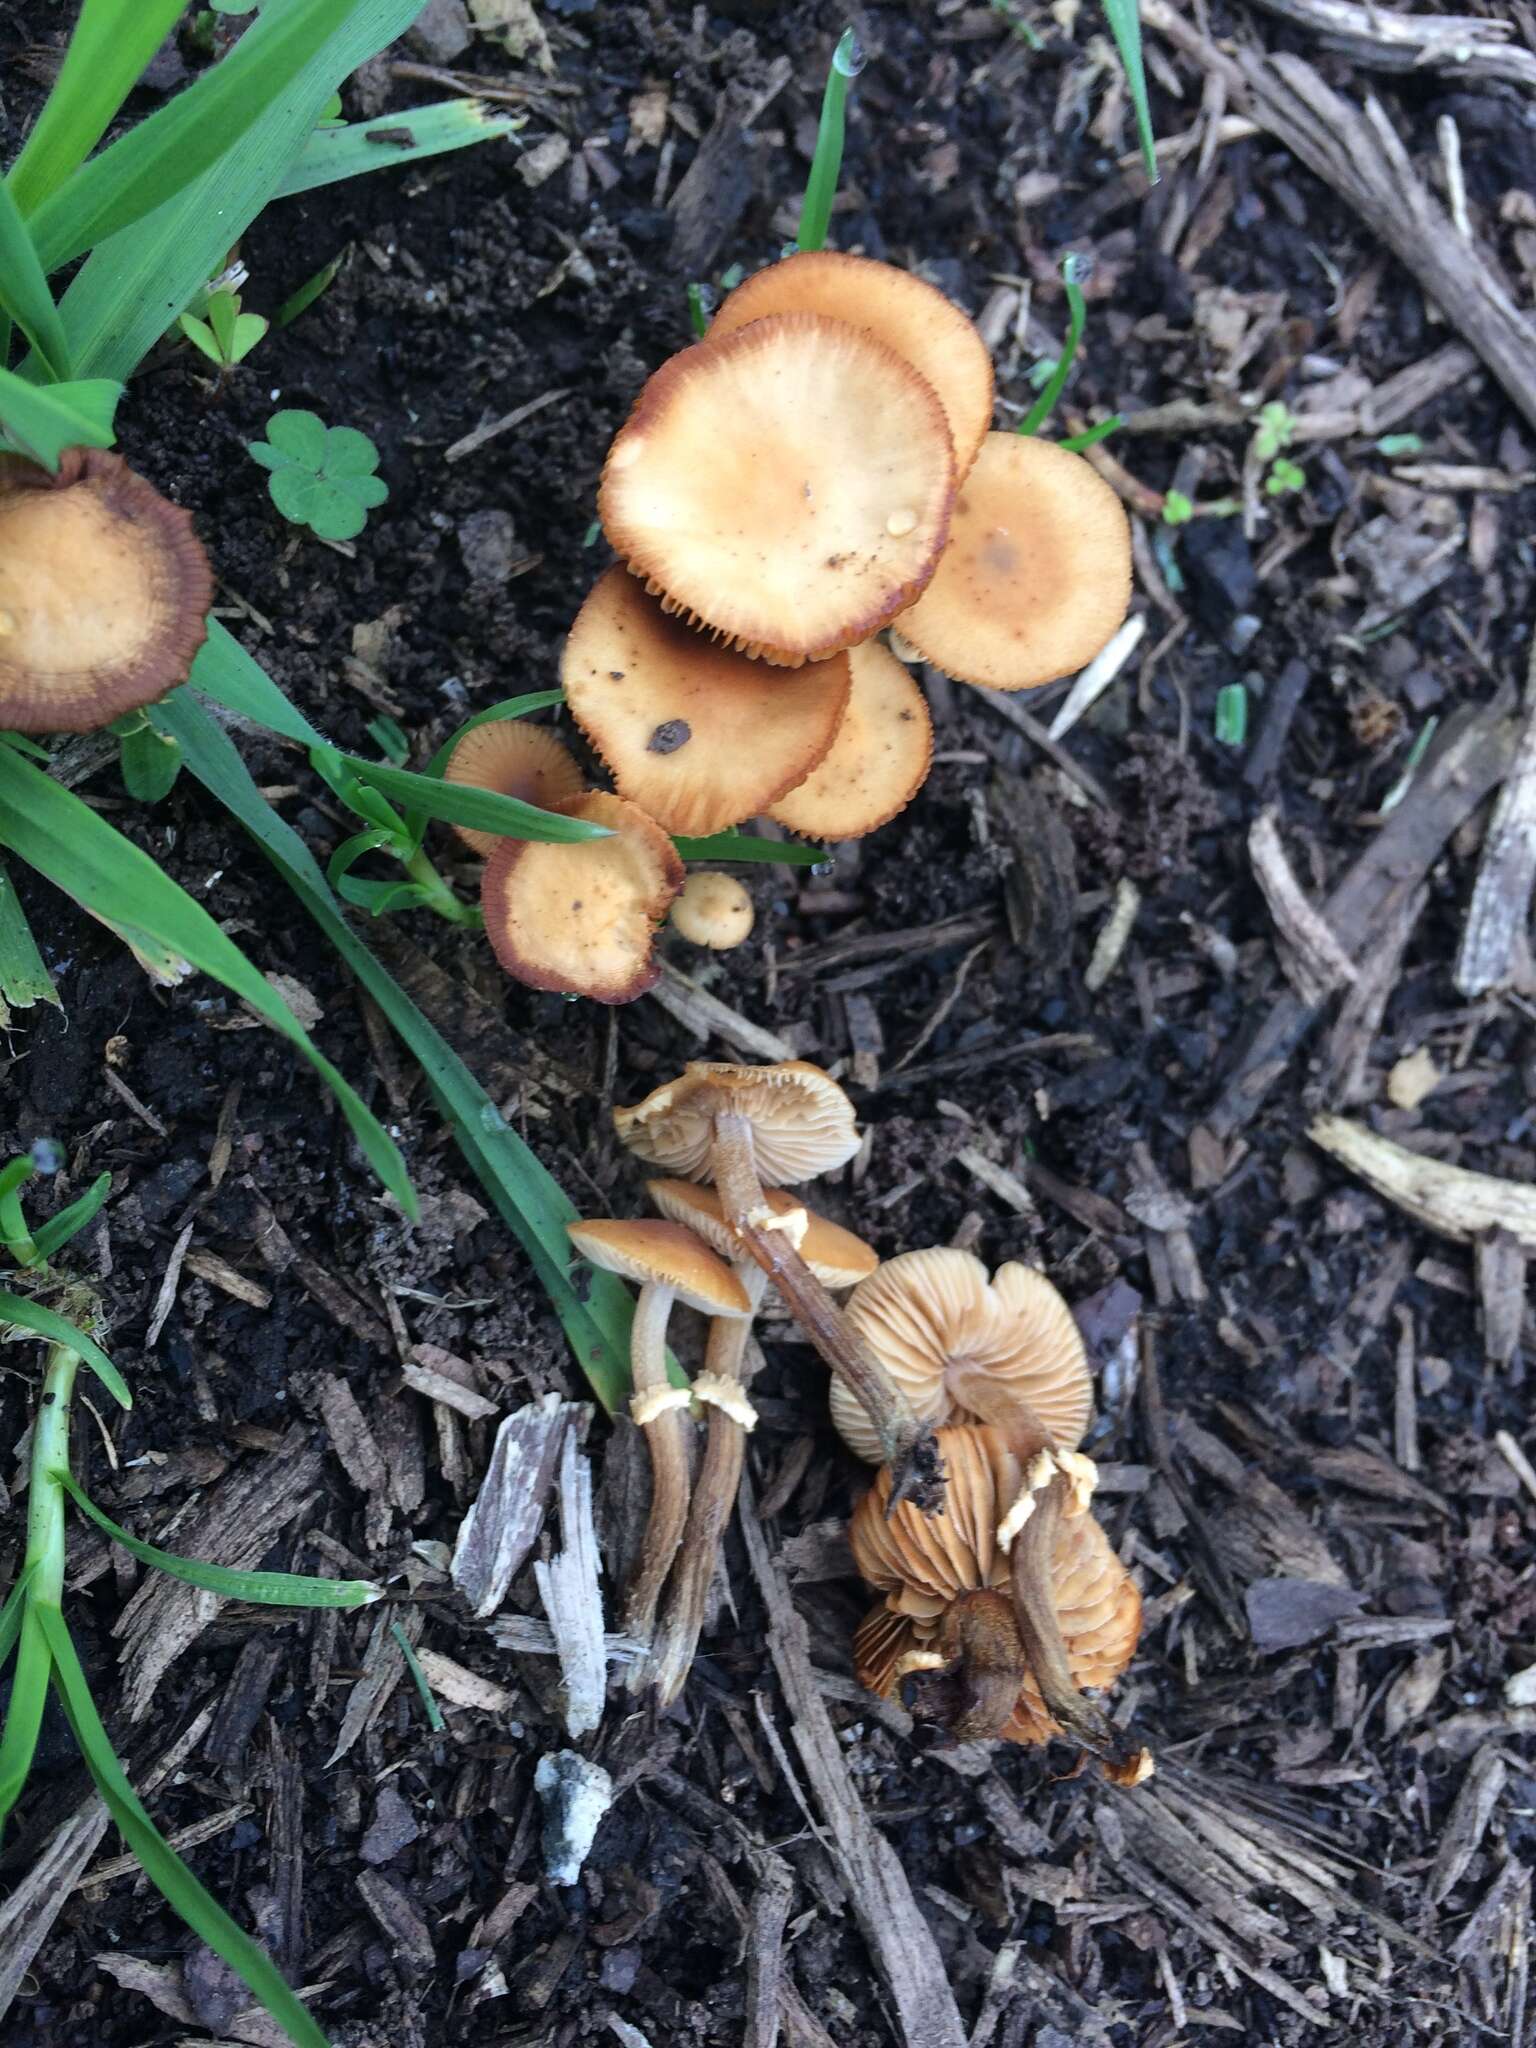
850	56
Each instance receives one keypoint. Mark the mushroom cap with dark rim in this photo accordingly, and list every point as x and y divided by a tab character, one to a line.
515	759
834	1255
695	733
1036	577
581	918
802	1122
662	1254
919	323
878	761
104	593
788	487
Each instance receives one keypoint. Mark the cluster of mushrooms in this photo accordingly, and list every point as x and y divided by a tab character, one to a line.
818	469
1001	1598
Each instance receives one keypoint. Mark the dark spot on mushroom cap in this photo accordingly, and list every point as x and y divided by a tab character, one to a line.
615	675
668	737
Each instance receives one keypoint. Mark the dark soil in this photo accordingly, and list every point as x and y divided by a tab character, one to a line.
465	293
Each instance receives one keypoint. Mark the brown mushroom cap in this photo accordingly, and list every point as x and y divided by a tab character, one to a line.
789	487
1037	574
714	911
104	593
909	316
658	1254
923	1564
802	1122
695	733
517	759
582	918
878	761
935	1321
834	1255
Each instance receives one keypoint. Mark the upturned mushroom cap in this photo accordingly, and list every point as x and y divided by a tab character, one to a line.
878	761
515	759
1036	577
802	1122
834	1255
940	1327
789	487
582	918
922	1564
714	911
695	733
919	323
104	593
662	1254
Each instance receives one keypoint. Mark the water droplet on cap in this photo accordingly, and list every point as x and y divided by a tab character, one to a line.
901	522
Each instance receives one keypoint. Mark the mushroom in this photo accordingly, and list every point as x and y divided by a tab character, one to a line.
695	733
743	1126
104	593
517	759
582	917
670	1264
1036	576
947	1612
789	487
714	911
963	1348
837	1258
897	308
878	761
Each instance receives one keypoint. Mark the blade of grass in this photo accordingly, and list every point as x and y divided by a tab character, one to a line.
11	1613
1124	18
264	1589
80	853
827	163
1077	314
41	421
164	1868
332	154
24	1713
434	1712
113	41
742	846
51	1236
24	292
24	980
300	301
43	1322
527	1198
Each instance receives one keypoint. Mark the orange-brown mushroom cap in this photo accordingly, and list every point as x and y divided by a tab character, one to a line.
104	593
923	1564
695	733
517	759
802	1122
878	761
714	911
662	1254
582	918
834	1255
949	1337
789	487
919	323
1036	577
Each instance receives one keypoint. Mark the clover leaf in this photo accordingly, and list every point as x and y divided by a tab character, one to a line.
321	477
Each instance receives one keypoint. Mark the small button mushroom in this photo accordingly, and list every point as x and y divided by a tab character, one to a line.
714	910
104	593
878	761
517	759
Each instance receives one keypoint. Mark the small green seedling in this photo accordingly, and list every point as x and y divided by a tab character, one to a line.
1274	432
1178	509
1284	477
321	477
1232	715
224	334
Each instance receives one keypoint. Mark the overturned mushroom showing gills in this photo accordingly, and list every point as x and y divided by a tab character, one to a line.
788	487
670	1264
948	1614
1036	576
743	1126
837	1258
878	761
517	759
965	1348
582	917
104	593
696	734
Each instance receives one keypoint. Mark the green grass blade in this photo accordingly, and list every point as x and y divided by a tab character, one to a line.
51	1236
132	287
162	155
1124	18
509	707
742	846
460	803
41	420
24	1714
265	1589
24	292
80	853
11	1613
1077	315
112	43
24	980
434	1712
332	154
527	1198
43	1322
163	1867
827	163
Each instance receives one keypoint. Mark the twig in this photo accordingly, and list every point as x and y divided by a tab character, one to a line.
1495	945
489	429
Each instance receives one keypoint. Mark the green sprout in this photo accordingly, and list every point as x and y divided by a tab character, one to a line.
1124	18
1232	715
1054	375
1275	430
1285	477
321	477
1178	509
827	162
217	327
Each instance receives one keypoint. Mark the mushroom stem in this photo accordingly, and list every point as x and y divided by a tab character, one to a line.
666	1438
982	1631
709	1512
1034	1606
907	1445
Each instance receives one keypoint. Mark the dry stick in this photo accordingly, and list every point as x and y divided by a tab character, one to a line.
666	1439
908	1446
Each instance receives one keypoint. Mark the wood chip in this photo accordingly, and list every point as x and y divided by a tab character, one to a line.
36	1896
706	1016
437	1386
568	1589
1466	1823
1495	941
399	1921
221	1274
461	1688
1314	961
1450	1200
507	1513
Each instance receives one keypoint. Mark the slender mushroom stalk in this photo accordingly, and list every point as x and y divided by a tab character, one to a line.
981	1633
